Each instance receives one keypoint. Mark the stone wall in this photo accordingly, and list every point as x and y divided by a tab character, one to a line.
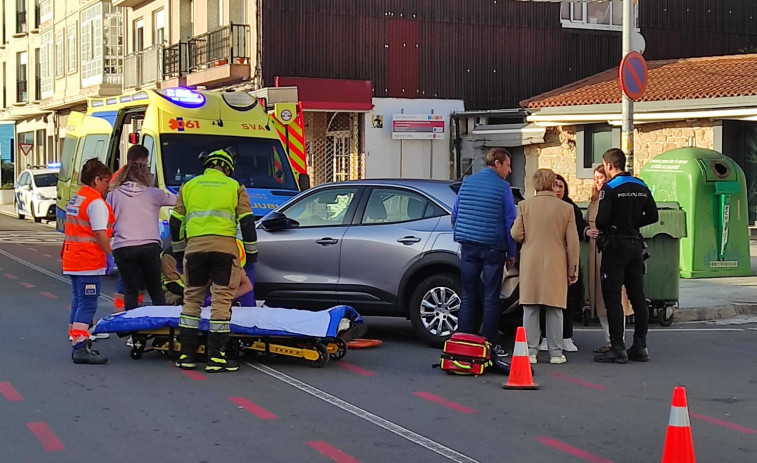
558	152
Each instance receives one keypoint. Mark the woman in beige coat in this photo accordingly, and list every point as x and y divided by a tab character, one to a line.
548	262
596	302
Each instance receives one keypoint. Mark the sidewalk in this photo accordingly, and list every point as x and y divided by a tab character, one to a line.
699	300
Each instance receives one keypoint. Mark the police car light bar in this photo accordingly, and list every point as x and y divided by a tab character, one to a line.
54	165
184	97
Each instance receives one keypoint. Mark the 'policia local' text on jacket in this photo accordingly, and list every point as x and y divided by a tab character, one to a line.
485	212
626	205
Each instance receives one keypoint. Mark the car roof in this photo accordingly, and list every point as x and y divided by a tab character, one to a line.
42	171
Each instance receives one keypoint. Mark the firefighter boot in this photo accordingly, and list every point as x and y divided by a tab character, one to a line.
638	351
217	361
84	354
188	339
617	354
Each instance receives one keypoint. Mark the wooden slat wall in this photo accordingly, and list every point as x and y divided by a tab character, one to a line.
492	54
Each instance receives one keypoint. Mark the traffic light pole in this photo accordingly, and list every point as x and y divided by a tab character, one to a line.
626	138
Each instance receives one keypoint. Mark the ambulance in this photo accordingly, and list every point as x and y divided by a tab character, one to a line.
176	125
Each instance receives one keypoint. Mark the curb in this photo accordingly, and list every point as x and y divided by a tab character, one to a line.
703	314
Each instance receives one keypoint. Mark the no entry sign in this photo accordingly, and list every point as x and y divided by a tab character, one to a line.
633	75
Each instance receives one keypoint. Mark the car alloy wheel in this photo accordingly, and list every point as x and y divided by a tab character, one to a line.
435	306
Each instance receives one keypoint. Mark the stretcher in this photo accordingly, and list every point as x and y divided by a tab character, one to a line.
315	337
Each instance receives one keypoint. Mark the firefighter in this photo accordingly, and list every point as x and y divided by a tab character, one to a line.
203	235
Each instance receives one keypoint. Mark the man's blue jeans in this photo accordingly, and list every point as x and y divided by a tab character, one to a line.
86	289
481	268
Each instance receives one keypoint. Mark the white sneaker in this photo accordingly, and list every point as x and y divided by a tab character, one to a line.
543	346
568	345
532	359
560	359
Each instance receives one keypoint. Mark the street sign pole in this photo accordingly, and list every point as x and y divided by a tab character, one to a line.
626	138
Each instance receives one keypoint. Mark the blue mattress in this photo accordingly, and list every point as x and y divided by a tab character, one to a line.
253	321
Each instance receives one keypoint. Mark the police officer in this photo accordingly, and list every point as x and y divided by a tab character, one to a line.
203	232
625	205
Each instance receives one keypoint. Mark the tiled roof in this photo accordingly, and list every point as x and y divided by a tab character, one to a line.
680	79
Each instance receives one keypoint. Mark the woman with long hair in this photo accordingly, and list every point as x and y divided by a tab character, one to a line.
136	204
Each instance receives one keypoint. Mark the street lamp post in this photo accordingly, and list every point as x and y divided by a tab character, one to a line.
626	138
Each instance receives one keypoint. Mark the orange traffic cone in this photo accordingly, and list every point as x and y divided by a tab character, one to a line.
520	369
679	446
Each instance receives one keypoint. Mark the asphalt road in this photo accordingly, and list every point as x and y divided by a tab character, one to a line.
383	404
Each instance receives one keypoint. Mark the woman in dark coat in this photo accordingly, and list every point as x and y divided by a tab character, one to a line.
575	296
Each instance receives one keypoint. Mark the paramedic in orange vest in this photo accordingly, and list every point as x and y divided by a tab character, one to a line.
86	248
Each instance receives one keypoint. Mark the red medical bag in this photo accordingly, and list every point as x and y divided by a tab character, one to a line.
466	354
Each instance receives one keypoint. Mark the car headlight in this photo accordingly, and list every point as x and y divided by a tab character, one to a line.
40	196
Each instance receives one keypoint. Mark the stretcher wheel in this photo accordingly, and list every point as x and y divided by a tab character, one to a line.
341	346
136	353
323	355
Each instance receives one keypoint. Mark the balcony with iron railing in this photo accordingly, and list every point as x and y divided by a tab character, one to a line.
143	67
212	58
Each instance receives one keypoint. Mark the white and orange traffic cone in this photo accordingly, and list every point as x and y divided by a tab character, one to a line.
520	369
679	445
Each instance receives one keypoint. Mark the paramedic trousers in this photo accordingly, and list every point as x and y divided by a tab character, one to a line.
86	290
220	271
622	263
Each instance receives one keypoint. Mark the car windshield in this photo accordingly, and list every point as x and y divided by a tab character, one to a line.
43	180
260	163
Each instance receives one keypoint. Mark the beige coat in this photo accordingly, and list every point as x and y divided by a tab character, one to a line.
596	301
546	226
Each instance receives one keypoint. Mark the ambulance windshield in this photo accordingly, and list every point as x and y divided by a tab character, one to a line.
261	163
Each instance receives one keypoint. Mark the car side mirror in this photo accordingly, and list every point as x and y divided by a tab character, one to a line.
276	221
303	182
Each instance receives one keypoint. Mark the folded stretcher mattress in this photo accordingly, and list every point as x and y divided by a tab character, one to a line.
252	321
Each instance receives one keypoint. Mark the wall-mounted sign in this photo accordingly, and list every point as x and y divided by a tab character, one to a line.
418	127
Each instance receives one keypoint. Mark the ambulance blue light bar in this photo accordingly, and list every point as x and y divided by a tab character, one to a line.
184	97
54	165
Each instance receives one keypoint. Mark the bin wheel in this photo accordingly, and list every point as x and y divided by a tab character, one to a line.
136	353
341	345
587	316
323	355
665	315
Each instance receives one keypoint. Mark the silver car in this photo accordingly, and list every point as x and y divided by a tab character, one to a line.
383	247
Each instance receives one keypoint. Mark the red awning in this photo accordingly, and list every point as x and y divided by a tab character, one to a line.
330	94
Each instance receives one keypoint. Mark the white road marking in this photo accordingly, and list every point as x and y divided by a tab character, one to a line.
668	330
46	272
37	237
394	428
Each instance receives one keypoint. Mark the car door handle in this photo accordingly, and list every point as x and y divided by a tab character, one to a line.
408	240
326	241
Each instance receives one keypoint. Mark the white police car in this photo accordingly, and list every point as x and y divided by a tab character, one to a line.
35	193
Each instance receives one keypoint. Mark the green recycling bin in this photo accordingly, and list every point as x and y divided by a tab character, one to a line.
662	274
711	189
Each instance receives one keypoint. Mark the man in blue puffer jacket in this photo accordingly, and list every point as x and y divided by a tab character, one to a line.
482	218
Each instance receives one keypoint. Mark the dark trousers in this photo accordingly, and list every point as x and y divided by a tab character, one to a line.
135	265
86	290
623	264
481	267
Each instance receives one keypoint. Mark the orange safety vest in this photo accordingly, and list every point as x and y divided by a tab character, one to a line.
81	253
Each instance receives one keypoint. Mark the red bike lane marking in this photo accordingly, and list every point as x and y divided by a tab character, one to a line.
577	381
26	284
11	276
48	295
444	402
255	409
45	437
331	452
570	450
9	392
722	423
355	369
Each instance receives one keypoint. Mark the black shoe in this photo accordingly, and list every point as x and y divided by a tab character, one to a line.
85	355
221	364
617	354
638	354
498	351
186	362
